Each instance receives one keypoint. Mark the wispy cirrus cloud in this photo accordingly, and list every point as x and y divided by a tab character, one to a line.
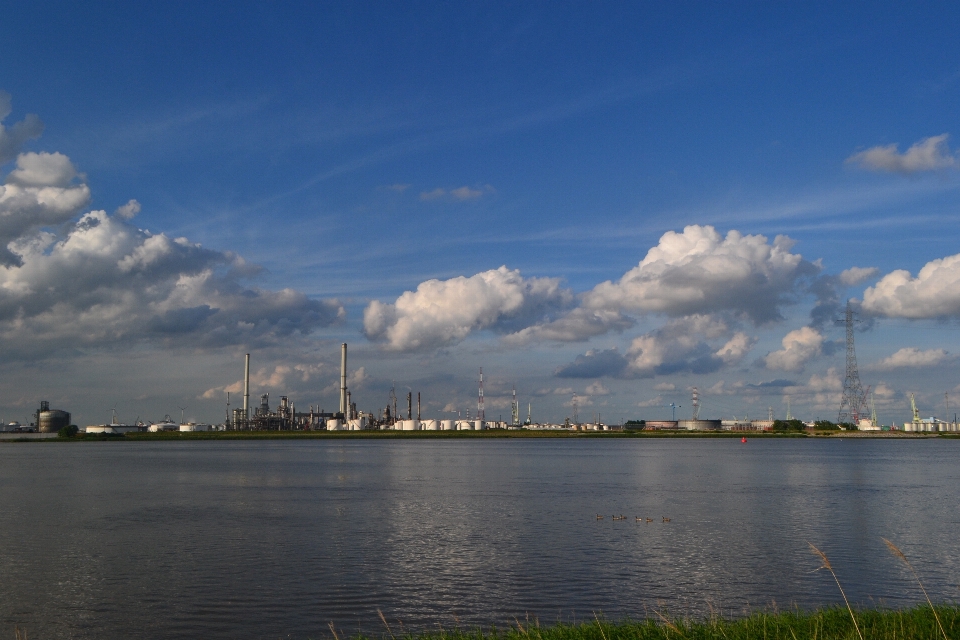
459	194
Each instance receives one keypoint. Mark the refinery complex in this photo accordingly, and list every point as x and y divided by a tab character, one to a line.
405	415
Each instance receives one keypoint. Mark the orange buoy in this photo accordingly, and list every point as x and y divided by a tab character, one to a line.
743	439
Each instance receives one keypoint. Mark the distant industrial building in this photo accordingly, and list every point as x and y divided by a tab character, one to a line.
51	420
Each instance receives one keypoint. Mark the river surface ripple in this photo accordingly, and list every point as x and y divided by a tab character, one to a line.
276	539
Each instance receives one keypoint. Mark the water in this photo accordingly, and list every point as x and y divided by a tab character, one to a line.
277	539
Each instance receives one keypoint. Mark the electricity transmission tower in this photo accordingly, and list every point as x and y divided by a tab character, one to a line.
854	397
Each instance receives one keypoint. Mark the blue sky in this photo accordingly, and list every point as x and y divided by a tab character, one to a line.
329	158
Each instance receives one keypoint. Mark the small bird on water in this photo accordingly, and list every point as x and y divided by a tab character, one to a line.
665	519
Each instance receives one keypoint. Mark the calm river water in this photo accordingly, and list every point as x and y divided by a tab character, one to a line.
277	539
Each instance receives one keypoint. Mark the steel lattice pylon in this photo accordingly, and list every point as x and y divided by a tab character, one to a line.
853	395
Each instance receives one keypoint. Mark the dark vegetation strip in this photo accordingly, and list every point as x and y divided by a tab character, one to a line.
826	624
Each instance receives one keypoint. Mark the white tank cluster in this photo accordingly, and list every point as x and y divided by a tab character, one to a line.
193	426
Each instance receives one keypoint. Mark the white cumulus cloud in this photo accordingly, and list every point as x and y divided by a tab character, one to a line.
128	211
100	282
799	347
855	275
39	192
576	325
911	357
444	312
736	348
821	391
683	344
699	271
597	389
13	139
934	293
930	154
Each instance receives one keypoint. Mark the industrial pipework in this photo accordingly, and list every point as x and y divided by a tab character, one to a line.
344	408
246	389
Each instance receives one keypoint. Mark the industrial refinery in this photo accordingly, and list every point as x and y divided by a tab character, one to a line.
406	415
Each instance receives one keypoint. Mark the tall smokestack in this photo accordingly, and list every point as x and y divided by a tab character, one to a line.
418	405
246	389
343	380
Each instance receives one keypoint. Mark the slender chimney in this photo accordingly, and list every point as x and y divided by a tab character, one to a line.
343	380
418	405
246	389
409	405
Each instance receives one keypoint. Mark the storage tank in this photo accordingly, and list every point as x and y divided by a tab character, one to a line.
193	426
52	420
479	425
411	425
334	424
699	425
448	425
432	425
358	424
464	425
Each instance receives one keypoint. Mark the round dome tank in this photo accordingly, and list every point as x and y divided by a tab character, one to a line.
334	424
432	425
448	425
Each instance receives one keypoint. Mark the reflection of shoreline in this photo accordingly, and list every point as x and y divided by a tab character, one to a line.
461	435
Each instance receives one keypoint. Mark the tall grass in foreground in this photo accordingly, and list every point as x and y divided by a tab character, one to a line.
826	624
826	565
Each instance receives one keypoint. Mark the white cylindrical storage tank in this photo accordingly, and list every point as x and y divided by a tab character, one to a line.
479	425
448	425
464	425
411	425
357	424
431	425
334	424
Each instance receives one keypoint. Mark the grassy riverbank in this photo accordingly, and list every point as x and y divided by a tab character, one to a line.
826	624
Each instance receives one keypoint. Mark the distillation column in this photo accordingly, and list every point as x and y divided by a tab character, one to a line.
246	389
343	380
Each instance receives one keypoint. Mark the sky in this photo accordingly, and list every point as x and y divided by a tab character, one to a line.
595	201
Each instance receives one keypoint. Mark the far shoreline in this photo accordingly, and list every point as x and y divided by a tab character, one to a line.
447	435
